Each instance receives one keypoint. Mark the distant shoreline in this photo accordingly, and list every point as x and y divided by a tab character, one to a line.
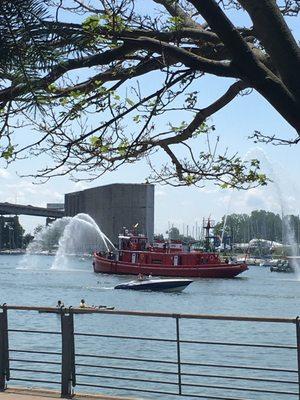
17	252
12	252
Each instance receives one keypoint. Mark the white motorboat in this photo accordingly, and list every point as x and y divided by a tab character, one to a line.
156	285
272	262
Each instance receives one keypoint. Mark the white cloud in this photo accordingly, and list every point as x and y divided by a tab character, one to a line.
253	199
4	173
25	192
160	192
209	189
80	185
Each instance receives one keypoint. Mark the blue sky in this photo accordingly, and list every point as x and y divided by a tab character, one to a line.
180	206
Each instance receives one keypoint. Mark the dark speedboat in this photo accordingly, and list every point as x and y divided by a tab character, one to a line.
156	285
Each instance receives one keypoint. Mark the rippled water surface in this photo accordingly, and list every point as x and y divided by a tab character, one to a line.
257	292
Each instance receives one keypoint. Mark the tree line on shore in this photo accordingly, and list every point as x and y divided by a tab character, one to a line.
12	234
259	224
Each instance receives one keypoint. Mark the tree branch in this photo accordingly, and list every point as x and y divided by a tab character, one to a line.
277	39
251	69
219	68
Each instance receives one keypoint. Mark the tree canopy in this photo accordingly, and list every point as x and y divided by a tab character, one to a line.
102	82
260	224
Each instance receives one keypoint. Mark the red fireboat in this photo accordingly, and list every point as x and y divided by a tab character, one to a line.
165	258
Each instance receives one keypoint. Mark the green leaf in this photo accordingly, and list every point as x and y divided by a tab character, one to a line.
91	23
176	23
130	102
64	101
52	88
122	149
8	153
224	186
75	93
137	118
189	179
114	23
104	149
95	141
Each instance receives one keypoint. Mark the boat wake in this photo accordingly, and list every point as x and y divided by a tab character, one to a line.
104	288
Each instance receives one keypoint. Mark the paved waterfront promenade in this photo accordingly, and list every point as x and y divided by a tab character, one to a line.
26	394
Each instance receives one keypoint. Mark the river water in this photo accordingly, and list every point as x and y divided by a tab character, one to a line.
257	292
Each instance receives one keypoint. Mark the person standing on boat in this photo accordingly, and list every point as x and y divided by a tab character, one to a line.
60	304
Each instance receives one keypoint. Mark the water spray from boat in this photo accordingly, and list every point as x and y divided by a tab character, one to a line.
276	186
66	237
288	234
81	236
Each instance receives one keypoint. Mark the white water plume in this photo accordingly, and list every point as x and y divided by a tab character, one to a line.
288	234
223	230
280	191
68	236
81	236
44	242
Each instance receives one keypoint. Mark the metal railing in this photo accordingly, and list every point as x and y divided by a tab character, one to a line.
191	373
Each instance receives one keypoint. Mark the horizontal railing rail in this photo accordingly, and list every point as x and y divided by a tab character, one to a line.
211	370
90	310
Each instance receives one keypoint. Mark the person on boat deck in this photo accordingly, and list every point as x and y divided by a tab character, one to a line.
59	304
140	277
83	304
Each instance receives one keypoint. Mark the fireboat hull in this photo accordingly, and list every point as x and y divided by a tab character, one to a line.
221	270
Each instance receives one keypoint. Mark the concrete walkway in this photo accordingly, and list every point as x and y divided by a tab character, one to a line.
27	394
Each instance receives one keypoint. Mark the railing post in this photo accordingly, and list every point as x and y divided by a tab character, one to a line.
4	352
298	352
178	355
68	373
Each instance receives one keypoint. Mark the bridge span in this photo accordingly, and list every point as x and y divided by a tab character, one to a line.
18	209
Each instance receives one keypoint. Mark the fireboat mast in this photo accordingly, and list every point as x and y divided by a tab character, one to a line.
207	226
